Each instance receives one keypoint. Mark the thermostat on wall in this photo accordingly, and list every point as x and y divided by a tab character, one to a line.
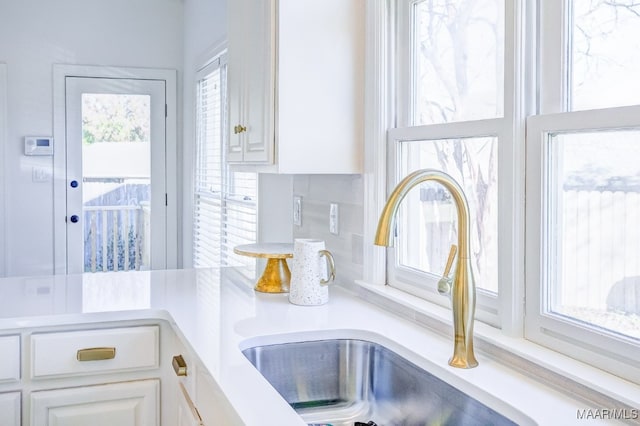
38	145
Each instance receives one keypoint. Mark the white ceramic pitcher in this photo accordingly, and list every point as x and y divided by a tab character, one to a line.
310	264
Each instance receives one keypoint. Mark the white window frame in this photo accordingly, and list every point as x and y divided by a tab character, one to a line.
616	354
230	200
3	138
606	350
537	83
216	64
506	311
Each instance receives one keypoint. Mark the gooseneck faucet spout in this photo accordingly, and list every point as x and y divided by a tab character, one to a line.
463	291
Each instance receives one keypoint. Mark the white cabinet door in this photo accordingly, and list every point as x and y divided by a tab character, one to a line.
10	409
251	81
10	356
188	414
122	404
235	73
295	85
213	404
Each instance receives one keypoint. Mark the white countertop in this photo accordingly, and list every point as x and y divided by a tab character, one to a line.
218	313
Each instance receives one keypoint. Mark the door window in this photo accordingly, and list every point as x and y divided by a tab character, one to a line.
116	205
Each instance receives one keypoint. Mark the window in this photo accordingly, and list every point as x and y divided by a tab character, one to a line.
583	281
451	116
512	97
225	201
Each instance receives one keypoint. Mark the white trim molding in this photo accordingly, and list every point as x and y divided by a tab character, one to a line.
378	113
3	189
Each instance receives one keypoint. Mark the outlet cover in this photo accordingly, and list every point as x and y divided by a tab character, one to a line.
297	210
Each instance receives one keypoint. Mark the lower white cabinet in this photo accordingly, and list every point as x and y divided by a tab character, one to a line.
188	414
10	356
213	404
10	409
123	404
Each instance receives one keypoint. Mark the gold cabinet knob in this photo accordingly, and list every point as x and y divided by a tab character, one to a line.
239	129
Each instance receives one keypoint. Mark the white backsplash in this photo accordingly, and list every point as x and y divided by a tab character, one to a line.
318	192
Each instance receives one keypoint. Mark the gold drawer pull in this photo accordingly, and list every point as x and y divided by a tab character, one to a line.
179	365
96	354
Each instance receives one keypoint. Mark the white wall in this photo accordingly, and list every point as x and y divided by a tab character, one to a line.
34	35
318	192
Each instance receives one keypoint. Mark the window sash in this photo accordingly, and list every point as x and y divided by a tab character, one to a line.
423	284
225	201
535	83
589	343
581	340
506	309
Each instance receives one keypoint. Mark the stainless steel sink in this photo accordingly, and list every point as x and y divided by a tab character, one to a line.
345	381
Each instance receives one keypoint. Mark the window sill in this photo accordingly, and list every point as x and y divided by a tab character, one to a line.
571	377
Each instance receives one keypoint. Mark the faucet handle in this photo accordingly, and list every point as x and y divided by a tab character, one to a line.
452	254
444	285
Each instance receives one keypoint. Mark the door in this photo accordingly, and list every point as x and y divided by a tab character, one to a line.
116	215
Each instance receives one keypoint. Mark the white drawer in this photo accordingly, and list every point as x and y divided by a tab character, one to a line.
57	354
10	356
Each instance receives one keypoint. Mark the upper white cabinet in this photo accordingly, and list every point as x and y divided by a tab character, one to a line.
296	85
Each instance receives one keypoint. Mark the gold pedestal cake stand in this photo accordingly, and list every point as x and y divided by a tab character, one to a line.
276	275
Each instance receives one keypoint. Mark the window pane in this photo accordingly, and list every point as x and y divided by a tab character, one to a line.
116	181
458	60
427	221
594	261
604	62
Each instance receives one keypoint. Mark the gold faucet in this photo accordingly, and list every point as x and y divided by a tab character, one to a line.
463	289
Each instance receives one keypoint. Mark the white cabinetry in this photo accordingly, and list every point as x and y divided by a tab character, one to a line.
122	404
200	400
251	81
102	376
94	351
212	402
188	414
10	409
10	357
295	85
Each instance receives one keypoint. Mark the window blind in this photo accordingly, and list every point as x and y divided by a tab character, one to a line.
225	201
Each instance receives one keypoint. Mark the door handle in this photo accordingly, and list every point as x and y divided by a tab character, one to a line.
74	218
73	184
